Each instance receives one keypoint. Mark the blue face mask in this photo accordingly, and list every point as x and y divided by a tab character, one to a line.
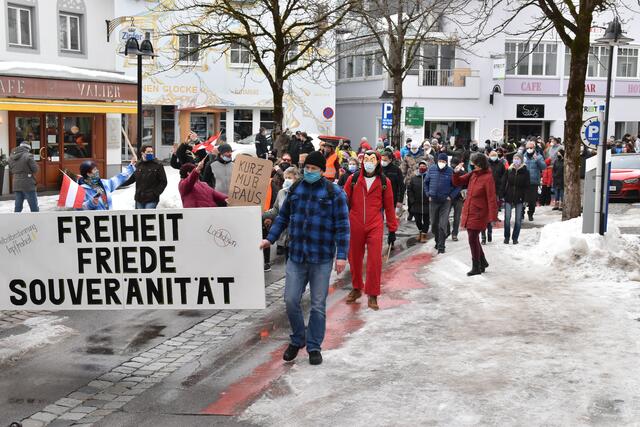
312	177
353	168
149	156
95	178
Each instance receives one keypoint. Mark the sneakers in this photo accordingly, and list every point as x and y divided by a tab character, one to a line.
353	296
315	357
454	238
267	267
373	302
291	353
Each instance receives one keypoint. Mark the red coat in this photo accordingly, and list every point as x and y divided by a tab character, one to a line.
365	207
480	206
196	194
547	174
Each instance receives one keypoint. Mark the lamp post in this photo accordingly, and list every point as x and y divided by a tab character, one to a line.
144	49
612	37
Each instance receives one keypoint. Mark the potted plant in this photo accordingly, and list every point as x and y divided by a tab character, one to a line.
3	164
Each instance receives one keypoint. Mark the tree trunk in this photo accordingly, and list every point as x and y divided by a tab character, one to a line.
278	108
396	134
572	141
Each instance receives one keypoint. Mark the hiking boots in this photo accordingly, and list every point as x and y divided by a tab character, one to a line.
353	296
291	353
373	302
475	270
315	357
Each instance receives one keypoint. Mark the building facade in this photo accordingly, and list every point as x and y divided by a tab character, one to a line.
58	89
502	88
219	90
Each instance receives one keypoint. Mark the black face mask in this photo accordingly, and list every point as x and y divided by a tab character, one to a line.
284	166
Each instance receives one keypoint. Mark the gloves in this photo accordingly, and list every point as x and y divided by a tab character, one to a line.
391	238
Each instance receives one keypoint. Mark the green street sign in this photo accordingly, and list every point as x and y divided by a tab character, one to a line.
414	116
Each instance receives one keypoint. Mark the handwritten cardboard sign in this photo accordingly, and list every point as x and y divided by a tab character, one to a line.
249	181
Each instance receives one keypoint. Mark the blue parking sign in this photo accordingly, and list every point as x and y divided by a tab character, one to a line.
590	132
387	115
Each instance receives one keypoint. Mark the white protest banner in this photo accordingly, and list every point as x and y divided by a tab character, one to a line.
142	259
249	181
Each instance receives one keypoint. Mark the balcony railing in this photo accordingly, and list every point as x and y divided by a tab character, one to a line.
454	78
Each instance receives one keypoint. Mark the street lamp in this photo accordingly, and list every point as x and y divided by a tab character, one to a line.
144	49
613	37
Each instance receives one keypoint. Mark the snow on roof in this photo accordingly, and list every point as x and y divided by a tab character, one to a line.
37	69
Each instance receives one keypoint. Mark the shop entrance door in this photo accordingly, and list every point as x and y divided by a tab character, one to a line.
516	130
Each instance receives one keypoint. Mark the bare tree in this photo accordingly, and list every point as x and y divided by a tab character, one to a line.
401	29
572	21
284	38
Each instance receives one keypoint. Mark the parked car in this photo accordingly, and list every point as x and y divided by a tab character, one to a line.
625	176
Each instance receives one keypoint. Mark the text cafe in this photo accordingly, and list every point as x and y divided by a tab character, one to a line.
65	121
530	121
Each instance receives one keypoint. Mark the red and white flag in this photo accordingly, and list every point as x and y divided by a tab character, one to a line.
71	194
209	144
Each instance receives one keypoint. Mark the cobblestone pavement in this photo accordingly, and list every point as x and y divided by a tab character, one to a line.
111	391
11	319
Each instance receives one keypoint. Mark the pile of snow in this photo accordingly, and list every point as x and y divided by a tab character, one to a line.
588	256
43	330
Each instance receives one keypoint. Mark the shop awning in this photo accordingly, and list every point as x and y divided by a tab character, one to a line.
55	106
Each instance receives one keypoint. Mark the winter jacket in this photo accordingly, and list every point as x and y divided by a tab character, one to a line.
439	184
547	174
150	180
480	205
366	206
499	173
535	167
183	155
197	194
297	147
105	189
262	146
344	177
272	214
409	165
221	171
392	171
558	173
417	198
23	167
516	185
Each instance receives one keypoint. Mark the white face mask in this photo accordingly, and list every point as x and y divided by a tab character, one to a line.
369	167
493	158
442	165
414	150
287	183
384	163
530	150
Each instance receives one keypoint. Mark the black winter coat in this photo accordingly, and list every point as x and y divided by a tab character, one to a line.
516	185
183	155
392	171
418	201
150	180
558	173
262	146
499	173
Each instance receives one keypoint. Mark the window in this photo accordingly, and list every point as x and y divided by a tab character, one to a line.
627	62
78	137
188	47
292	52
542	60
20	26
168	125
242	123
240	54
359	60
437	64
69	35
598	61
266	119
223	126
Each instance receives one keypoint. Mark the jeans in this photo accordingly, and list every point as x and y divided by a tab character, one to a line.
31	197
559	194
439	214
297	277
146	205
507	220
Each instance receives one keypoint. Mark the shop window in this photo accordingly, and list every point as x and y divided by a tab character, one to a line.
239	53
188	47
223	126
28	129
20	22
78	137
627	62
70	33
242	123
168	125
266	119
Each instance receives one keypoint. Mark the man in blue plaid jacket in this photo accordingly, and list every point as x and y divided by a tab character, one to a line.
316	213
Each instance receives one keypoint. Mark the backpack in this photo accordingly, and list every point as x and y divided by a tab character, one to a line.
354	180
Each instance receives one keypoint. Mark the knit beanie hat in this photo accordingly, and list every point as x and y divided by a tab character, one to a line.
316	159
443	156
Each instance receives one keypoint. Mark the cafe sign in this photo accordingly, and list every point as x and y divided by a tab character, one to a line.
34	88
530	111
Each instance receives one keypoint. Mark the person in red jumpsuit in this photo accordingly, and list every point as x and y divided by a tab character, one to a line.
370	199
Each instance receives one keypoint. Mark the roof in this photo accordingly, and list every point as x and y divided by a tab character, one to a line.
53	71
